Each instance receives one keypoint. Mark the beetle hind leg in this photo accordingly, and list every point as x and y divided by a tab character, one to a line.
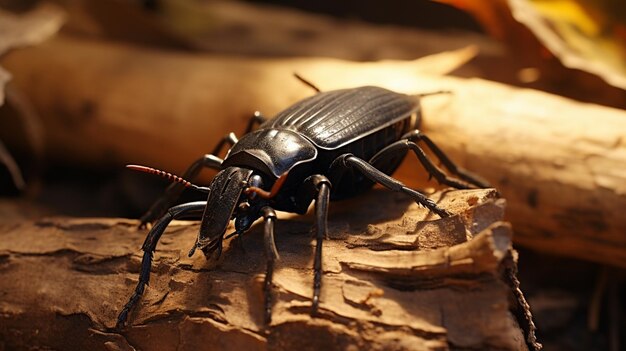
463	174
377	176
174	190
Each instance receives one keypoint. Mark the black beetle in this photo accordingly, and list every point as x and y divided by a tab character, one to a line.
350	139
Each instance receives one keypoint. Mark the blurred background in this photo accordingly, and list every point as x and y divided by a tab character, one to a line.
88	86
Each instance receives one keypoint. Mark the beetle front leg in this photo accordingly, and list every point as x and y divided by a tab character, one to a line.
375	175
174	190
149	246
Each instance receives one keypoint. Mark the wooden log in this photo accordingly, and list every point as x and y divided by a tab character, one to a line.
560	163
395	277
110	103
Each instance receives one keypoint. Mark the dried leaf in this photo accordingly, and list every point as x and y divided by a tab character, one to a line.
578	39
583	35
18	31
31	28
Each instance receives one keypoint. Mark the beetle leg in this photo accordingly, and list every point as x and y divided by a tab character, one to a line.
322	184
432	169
174	190
460	172
149	246
271	255
257	118
375	175
230	139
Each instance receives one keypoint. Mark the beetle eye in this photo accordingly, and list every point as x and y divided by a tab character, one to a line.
256	181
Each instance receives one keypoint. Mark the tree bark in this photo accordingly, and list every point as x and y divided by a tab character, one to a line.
560	163
396	277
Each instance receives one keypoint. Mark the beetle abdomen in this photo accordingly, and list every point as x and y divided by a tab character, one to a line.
334	119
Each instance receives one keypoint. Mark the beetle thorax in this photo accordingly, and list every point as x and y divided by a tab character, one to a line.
271	151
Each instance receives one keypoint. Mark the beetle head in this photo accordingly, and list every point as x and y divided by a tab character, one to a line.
235	193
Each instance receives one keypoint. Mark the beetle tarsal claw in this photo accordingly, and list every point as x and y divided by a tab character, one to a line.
192	250
231	235
213	249
201	244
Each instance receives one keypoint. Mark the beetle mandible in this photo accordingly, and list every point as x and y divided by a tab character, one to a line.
329	146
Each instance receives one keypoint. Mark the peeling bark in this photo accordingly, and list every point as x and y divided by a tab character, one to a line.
396	277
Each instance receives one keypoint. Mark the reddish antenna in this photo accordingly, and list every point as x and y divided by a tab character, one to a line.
171	177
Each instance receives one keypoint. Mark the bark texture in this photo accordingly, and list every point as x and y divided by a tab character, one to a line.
395	278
